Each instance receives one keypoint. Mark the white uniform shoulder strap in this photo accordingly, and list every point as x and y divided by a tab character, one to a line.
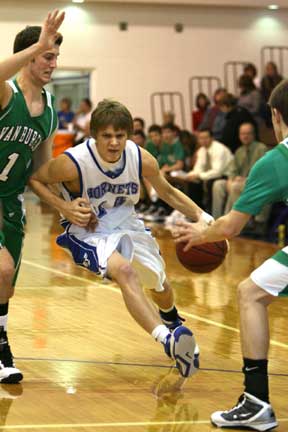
13	86
50	106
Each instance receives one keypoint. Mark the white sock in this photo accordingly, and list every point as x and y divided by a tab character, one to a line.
3	321
168	310
160	333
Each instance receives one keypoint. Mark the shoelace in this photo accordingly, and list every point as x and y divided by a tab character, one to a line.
240	403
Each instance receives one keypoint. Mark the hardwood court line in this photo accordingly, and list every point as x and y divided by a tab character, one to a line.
104	425
111	288
122	424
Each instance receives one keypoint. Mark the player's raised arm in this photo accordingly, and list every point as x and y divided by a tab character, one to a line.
10	66
175	198
59	170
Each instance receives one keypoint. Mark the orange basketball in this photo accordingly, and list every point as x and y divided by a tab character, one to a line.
202	258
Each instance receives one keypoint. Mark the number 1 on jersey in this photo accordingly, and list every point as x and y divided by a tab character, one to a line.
12	159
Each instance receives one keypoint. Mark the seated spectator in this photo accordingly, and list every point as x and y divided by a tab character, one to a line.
82	121
270	80
226	191
212	160
149	196
138	124
65	115
214	118
189	144
250	96
171	157
154	143
139	138
235	116
168	117
202	104
251	71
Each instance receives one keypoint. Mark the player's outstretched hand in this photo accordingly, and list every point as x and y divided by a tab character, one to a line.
49	33
78	212
190	233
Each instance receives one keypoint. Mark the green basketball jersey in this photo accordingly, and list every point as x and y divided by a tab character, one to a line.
20	135
267	181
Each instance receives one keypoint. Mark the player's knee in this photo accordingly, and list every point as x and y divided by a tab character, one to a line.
7	275
127	272
245	292
249	292
6	283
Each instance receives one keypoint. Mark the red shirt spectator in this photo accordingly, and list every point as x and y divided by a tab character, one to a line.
202	104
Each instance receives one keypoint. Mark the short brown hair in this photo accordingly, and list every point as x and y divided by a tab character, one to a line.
279	100
111	113
228	100
29	36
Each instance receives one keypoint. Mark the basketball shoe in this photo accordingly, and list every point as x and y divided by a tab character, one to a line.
180	345
9	374
250	412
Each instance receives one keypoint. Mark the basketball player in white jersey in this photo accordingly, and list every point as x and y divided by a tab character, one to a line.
106	171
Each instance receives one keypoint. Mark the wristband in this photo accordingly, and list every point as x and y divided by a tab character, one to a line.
206	217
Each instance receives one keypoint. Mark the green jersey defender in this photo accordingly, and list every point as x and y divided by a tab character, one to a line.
27	122
20	135
268	183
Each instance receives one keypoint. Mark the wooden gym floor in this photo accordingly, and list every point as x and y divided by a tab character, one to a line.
88	367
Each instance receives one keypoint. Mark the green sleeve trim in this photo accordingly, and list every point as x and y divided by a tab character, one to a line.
281	257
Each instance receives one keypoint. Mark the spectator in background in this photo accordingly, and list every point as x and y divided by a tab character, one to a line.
149	205
138	124
251	71
189	144
226	191
202	104
270	80
250	96
168	117
82	121
139	138
214	118
171	158
212	160
154	143
172	155
65	115
235	116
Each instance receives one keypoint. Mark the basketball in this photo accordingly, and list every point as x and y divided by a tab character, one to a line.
202	258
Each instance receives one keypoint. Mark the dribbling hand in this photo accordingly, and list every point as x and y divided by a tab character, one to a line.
189	233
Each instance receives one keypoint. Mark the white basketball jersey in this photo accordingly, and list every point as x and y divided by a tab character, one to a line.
112	194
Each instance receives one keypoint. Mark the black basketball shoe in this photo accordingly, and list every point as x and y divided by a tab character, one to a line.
250	412
9	374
